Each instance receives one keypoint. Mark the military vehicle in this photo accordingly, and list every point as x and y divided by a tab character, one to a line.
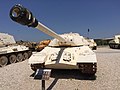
42	44
10	52
31	45
92	43
115	43
65	51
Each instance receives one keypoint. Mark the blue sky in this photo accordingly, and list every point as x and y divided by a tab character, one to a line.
102	17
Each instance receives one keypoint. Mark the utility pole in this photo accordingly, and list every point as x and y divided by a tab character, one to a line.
88	33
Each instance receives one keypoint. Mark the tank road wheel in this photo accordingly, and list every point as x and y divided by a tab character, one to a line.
3	61
88	68
25	55
116	46
12	58
29	53
19	57
110	45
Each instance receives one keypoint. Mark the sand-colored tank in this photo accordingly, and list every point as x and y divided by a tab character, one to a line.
115	43
92	44
10	52
65	51
31	45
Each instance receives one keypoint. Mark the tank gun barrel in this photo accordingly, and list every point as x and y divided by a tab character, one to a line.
22	15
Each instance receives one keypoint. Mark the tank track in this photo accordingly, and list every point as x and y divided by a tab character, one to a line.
88	68
14	57
114	46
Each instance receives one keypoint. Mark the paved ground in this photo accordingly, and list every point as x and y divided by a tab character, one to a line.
18	76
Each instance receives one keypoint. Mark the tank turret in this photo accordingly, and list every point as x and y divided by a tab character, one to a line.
65	51
6	39
23	16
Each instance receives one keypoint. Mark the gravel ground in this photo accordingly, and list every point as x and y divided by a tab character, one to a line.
18	76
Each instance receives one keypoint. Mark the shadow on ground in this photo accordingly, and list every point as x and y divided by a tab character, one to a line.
69	74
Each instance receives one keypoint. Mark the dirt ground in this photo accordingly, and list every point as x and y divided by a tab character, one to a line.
19	76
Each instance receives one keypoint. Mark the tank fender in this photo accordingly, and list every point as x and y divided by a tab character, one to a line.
34	59
86	55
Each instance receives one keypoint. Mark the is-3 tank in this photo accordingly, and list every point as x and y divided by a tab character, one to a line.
65	51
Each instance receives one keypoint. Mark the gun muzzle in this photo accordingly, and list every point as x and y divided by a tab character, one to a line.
23	16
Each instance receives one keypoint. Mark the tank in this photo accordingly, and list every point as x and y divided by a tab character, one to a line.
92	43
42	44
10	52
115	43
65	51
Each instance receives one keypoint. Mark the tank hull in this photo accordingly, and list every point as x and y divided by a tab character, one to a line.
64	58
13	53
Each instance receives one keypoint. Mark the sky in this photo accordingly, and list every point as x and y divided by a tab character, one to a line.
101	17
